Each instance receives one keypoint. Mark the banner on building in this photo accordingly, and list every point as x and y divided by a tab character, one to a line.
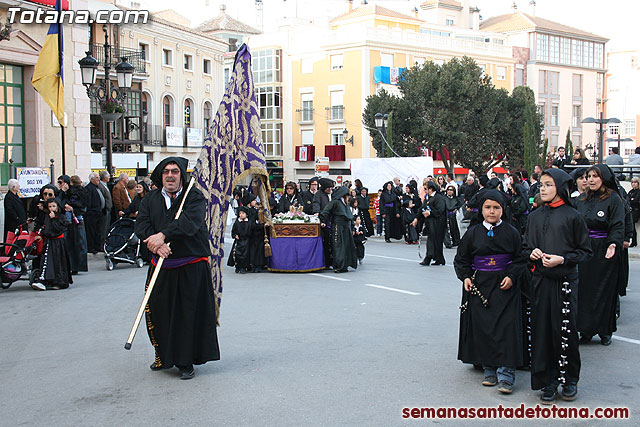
31	180
194	137
387	75
174	136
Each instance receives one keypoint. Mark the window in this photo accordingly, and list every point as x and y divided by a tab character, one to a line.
418	60
188	62
542	82
554	49
206	66
227	76
576	139
307	107
542	47
450	20
501	73
206	114
144	48
630	127
577	85
11	118
306	66
554	115
337	105
266	66
337	138
577	116
599	79
613	129
565	56
269	102
166	111
542	110
337	62
187	113
519	76
599	57
554	78
386	59
587	54
271	138
307	137
576	52
167	57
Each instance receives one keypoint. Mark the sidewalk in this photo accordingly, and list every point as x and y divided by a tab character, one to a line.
634	253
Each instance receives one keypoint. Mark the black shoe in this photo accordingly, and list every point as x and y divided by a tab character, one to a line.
505	387
243	271
426	261
387	240
157	367
549	394
585	339
569	392
490	381
605	340
187	372
74	273
438	263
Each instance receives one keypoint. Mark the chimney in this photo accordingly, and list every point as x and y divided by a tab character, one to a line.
465	15
350	5
223	8
532	7
415	11
514	6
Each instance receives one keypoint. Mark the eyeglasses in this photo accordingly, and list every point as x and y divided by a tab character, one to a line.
47	194
60	182
171	172
547	185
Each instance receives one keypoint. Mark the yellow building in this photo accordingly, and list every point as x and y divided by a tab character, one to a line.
328	71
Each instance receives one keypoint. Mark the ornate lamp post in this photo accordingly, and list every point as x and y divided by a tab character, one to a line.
601	122
381	124
110	98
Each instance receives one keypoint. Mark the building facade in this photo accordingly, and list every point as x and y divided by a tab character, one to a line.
623	92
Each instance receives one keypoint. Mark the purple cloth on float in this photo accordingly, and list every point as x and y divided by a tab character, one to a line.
597	234
497	262
296	254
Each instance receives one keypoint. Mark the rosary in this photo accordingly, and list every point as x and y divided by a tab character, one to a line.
474	291
564	332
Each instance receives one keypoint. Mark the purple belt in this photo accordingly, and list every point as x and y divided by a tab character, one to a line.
498	262
388	205
170	263
597	234
474	210
451	212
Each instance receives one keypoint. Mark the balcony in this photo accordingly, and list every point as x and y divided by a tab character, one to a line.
335	153
335	114
305	153
305	116
134	57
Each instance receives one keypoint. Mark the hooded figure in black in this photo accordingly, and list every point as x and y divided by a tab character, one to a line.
256	242
363	205
55	270
306	197
323	196
289	198
390	210
489	258
555	242
241	232
181	314
338	214
435	212
604	213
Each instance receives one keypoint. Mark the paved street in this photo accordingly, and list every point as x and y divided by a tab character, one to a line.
297	349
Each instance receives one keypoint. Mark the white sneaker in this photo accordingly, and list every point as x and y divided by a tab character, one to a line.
38	286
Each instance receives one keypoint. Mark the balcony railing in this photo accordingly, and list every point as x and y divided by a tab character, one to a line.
305	115
134	57
335	113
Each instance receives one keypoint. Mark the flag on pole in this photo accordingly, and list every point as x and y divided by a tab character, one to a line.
232	152
48	75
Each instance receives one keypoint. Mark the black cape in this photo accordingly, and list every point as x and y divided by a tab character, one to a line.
343	247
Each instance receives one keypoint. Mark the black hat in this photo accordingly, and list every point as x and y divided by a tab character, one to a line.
156	176
313	179
493	183
433	186
563	183
65	178
578	173
144	186
483	180
248	198
494	195
608	177
325	183
243	209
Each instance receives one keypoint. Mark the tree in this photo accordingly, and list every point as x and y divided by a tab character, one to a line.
526	118
568	146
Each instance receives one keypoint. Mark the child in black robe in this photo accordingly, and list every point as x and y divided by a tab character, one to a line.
241	233
55	272
488	262
452	204
555	242
408	217
359	237
256	242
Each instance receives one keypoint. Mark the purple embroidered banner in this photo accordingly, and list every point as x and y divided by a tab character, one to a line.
232	151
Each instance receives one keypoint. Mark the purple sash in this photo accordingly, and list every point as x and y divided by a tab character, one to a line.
474	210
451	212
388	205
498	262
597	234
171	263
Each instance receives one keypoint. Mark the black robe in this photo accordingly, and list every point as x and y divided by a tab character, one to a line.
557	231
256	242
363	205
599	276
452	204
181	313
306	199
342	245
491	336
14	214
436	224
76	237
390	207
287	201
359	237
54	262
240	255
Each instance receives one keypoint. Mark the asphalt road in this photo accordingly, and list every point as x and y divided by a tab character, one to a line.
297	350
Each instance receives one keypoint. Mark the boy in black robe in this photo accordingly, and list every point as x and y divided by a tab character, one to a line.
488	261
359	237
434	211
181	313
55	271
555	242
241	250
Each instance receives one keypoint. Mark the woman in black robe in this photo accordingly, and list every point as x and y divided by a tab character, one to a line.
55	272
76	236
452	204
363	205
289	198
390	210
519	202
603	212
256	241
555	242
435	212
489	258
338	214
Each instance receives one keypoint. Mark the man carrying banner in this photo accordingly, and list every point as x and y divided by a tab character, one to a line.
181	313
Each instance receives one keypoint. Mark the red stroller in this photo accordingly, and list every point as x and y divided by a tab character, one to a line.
21	246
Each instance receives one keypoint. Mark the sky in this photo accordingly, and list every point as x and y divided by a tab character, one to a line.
614	19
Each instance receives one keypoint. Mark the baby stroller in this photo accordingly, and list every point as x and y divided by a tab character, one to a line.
21	246
122	244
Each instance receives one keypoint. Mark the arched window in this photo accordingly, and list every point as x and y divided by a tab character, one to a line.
187	113
166	111
206	113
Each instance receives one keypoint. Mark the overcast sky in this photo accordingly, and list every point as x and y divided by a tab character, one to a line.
615	19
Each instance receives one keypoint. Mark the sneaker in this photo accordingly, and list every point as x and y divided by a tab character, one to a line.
605	340
505	387
187	372
489	381
569	392
549	393
38	286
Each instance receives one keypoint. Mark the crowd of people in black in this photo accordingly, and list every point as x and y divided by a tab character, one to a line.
72	219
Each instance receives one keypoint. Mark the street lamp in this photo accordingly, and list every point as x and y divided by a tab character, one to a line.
104	91
345	134
601	122
381	124
619	141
